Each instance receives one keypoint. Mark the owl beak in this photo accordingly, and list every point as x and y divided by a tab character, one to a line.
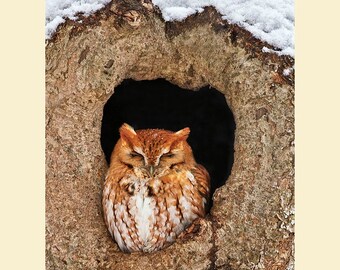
151	170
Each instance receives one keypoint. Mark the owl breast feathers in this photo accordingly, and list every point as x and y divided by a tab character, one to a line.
154	188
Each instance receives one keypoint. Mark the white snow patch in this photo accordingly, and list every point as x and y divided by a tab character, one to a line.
270	21
287	51
56	11
287	72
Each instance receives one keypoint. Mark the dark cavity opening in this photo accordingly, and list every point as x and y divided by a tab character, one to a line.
160	104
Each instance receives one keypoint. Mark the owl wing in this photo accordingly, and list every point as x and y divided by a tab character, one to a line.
116	210
202	178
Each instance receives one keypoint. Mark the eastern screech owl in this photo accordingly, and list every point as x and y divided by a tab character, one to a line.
154	188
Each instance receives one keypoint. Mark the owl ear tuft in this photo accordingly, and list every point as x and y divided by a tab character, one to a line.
127	133
183	134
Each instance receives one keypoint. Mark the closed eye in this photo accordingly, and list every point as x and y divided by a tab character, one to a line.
134	154
168	155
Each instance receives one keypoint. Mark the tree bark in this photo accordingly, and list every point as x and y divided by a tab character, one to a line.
251	224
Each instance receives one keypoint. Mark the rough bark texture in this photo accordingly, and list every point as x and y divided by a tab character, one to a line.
251	225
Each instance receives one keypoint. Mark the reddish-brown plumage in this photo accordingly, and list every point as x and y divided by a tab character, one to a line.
154	188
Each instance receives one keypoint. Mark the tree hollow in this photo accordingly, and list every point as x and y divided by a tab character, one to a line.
251	225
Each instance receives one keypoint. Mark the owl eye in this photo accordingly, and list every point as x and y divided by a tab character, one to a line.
168	155
134	154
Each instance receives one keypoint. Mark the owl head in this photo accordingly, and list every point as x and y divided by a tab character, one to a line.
152	150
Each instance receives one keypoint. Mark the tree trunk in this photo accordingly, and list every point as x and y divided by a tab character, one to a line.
251	224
